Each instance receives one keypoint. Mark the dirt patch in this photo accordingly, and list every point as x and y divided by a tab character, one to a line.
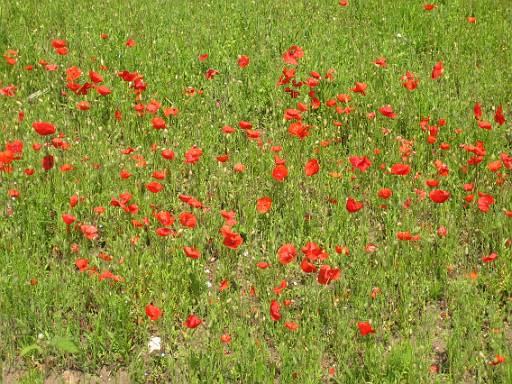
436	322
71	377
12	377
76	377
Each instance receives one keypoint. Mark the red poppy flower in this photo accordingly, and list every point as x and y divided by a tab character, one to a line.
286	254
342	249
439	196
275	309
264	204
293	54
187	219
193	322
192	252
154	187
407	236
298	129
438	70
62	51
73	73
411	83
48	162
224	284
193	155
328	274
360	88
44	128
73	201
499	117
95	77
153	312
353	205
381	62
507	160
279	289
400	169
365	328
442	231
280	172
16	147
211	73
344	98
494	166
385	193
83	106
387	111
82	264
162	231
107	275
66	167
6	157
89	231
229	216
194	203
362	163
487	259
158	123
375	292
58	43
484	201
225	338
291	325
313	251
165	218
245	125
243	61
307	266
312	167
231	239
159	175
167	154
477	111
292	114
239	168
228	130
8	91
13	193
498	359
68	219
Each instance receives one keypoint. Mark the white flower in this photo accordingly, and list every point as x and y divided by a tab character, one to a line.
154	344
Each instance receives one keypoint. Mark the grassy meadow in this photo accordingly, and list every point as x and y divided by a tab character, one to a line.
256	191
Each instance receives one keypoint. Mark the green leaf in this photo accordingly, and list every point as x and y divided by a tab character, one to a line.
29	349
64	344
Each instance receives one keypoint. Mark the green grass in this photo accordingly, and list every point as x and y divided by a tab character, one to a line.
428	312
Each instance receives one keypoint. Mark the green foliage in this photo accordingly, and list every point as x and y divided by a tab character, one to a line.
436	305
